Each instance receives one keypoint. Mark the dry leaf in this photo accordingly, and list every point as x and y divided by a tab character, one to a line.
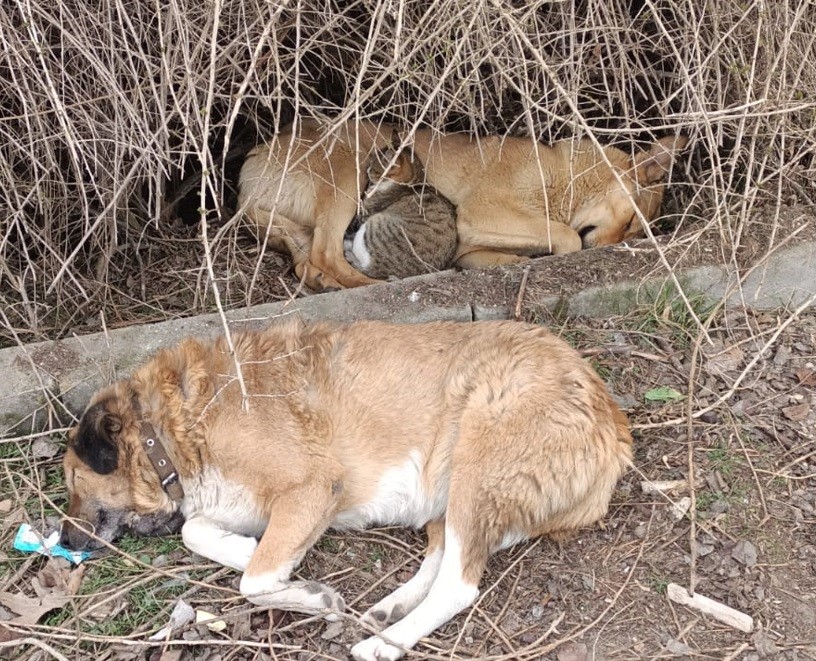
12	519
208	620
797	411
29	610
54	585
58	574
805	376
105	608
5	506
725	361
680	508
182	614
43	448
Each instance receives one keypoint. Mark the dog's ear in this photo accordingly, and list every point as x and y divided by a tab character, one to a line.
94	441
652	166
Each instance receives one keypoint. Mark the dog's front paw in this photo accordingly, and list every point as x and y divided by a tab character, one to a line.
379	618
376	649
332	601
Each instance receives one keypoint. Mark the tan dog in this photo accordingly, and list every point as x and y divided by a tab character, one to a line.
514	198
487	434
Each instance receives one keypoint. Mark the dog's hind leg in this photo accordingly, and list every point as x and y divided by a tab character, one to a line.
297	518
454	589
403	600
209	539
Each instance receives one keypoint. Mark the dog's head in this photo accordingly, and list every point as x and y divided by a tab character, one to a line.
611	197
112	486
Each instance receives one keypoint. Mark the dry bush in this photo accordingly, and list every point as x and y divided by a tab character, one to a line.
124	124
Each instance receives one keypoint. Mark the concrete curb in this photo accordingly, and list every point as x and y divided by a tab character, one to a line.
46	383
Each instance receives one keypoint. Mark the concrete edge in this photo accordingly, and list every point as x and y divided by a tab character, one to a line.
46	384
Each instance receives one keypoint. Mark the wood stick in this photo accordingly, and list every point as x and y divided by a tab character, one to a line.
721	612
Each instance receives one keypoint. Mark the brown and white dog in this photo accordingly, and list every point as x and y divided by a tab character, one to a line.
486	434
515	198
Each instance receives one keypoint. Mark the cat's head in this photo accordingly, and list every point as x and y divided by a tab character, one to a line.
395	163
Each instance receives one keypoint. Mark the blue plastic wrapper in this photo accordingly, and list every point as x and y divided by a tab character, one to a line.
30	541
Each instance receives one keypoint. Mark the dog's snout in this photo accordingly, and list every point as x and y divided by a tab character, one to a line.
74	537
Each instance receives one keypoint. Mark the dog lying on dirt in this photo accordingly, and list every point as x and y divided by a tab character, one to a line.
486	434
515	198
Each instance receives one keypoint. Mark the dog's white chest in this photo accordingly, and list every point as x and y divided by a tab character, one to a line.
211	495
400	499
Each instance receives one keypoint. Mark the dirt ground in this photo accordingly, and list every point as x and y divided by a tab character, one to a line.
743	532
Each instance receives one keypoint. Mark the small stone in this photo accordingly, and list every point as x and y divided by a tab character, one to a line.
333	630
745	553
640	531
626	402
572	651
511	623
764	646
537	612
710	417
781	356
676	647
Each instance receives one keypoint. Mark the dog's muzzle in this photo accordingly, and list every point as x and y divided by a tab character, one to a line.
81	535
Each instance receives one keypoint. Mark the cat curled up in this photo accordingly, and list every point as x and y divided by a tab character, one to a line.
405	226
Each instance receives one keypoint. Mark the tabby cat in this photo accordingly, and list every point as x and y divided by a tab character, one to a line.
406	227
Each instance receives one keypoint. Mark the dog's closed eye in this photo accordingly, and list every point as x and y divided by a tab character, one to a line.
586	230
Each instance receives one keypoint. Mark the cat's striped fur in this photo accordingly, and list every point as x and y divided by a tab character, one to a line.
406	227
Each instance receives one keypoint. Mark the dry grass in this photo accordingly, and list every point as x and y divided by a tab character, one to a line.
123	127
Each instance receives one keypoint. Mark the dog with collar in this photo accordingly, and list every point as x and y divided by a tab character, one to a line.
514	198
486	434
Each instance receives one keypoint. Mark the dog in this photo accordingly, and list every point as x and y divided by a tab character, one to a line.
487	434
515	198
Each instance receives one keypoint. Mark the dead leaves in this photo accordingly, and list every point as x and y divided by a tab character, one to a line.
797	412
723	360
53	587
805	376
